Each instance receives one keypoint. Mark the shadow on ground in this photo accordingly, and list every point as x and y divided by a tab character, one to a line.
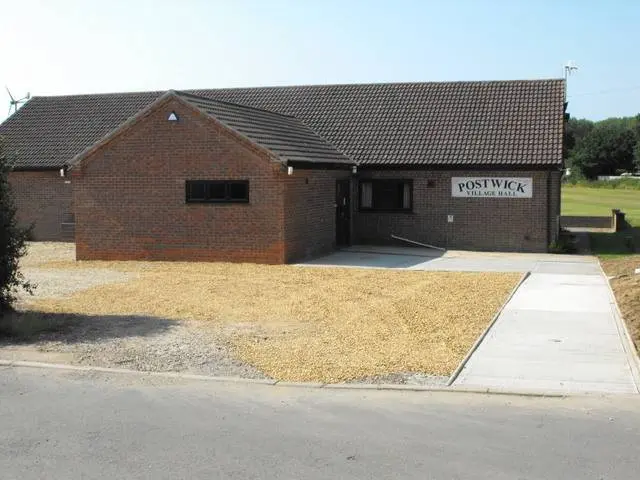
378	256
624	242
31	326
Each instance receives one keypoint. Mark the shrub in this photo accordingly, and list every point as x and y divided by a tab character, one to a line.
12	240
619	183
564	244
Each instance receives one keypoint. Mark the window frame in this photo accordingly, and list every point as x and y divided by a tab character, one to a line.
208	199
373	182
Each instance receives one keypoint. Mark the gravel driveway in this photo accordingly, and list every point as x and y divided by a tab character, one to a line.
50	328
135	342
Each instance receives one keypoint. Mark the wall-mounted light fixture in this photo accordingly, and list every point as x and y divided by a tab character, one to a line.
354	169
62	172
289	170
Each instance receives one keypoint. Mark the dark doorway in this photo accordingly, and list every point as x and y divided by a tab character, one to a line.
343	213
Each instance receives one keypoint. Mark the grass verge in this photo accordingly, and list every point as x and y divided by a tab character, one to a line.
626	287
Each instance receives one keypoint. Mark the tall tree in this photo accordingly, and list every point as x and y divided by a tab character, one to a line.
608	149
12	240
575	131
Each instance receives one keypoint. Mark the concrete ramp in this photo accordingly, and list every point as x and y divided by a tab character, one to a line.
559	333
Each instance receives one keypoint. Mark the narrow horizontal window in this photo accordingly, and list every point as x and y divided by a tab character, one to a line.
386	195
217	191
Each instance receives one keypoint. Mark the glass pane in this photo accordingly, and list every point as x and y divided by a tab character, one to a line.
406	199
389	195
196	191
366	195
239	191
399	196
217	191
384	195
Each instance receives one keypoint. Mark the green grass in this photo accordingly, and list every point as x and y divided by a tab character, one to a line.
600	201
580	200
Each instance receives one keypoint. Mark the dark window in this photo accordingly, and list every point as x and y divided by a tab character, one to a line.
239	191
196	191
217	191
386	195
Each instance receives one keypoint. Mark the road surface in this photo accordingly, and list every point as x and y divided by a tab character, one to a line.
73	425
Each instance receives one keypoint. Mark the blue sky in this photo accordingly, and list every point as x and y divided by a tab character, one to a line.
71	46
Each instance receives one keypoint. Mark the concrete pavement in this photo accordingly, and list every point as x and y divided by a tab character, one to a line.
414	258
558	333
60	424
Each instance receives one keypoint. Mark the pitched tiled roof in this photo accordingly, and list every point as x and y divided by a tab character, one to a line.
501	123
288	138
48	132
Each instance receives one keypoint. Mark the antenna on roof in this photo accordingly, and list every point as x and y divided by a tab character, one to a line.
569	68
15	104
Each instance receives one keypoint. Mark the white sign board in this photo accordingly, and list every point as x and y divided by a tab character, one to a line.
492	187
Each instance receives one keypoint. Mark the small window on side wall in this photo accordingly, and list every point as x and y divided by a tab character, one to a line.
386	195
217	191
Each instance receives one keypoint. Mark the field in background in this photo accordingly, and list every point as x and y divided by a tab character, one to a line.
580	200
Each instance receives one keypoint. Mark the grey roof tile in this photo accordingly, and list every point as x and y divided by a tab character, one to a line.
288	138
505	123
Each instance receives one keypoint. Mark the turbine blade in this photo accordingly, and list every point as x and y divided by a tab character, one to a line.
11	96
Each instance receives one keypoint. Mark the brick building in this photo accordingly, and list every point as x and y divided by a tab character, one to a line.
281	174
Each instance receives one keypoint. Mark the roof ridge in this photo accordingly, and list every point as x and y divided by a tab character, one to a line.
307	85
365	84
103	94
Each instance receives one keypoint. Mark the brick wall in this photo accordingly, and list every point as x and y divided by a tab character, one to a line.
310	212
130	195
499	224
579	221
556	204
44	200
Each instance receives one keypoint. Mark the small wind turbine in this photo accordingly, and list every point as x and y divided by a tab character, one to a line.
15	104
569	68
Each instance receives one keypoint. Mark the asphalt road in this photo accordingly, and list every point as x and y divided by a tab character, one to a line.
70	425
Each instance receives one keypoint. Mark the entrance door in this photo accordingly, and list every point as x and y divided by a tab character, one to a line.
343	213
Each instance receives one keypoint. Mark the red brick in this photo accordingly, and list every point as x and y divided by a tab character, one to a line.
498	224
130	197
44	200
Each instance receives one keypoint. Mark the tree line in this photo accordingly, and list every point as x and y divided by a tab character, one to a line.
606	147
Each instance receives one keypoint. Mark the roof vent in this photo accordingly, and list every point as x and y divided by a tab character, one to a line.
173	117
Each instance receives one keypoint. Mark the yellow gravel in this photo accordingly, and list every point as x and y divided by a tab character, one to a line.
309	324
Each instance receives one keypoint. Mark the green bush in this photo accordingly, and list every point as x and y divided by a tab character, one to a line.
564	244
12	240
